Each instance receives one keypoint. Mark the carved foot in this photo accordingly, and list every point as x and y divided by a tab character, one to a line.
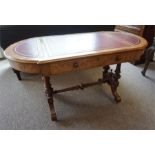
115	94
17	73
49	94
112	79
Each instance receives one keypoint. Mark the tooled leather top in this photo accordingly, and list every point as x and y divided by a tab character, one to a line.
72	46
65	45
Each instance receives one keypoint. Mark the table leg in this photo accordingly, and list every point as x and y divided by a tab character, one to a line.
17	73
49	94
112	79
105	71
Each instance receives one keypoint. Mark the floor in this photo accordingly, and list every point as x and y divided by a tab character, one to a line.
23	104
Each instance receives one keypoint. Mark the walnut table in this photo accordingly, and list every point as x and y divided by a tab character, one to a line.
54	55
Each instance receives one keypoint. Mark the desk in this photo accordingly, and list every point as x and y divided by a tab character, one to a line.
53	55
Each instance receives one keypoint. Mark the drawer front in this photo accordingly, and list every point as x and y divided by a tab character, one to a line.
90	62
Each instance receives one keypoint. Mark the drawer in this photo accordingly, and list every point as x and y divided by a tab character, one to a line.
59	67
83	63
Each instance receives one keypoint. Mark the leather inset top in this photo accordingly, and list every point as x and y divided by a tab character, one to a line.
64	45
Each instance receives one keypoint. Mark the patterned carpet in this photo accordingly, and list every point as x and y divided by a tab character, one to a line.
23	104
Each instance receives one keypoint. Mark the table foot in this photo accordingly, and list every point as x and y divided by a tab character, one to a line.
112	78
49	94
115	94
53	113
17	73
143	72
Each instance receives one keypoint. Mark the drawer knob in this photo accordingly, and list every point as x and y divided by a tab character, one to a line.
75	65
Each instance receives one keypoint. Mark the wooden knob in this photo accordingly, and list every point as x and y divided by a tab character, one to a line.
75	65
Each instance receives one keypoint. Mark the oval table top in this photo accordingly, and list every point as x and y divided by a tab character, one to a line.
65	47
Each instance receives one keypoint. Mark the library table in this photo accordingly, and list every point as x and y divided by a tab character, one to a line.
55	55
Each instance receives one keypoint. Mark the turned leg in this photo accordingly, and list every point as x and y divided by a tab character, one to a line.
105	71
115	83
149	56
49	94
17	73
112	79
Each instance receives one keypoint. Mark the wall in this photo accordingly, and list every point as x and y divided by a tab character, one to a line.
1	53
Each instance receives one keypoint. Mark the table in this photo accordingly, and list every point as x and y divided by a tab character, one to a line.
54	55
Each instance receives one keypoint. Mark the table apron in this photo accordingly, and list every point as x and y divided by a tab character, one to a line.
59	67
25	67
